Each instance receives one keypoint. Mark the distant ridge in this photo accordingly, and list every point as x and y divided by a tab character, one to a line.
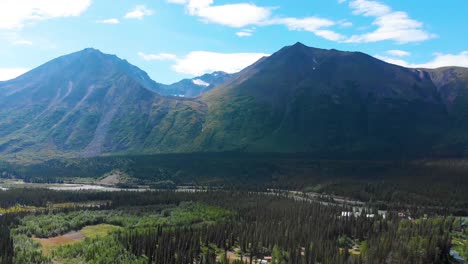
196	86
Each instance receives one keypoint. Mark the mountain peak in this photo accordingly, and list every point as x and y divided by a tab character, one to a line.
299	44
83	68
91	50
92	53
301	47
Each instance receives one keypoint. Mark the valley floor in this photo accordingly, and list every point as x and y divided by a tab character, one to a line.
217	227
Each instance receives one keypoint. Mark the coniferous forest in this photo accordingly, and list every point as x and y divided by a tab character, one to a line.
214	227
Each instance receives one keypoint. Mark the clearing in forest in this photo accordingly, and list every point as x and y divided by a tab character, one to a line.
75	236
49	243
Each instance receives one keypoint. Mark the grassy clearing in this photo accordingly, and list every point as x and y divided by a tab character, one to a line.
101	230
91	232
48	244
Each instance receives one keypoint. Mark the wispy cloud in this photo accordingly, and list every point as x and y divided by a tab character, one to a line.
245	33
369	8
314	25
391	25
11	73
16	14
159	56
439	60
398	53
139	12
110	21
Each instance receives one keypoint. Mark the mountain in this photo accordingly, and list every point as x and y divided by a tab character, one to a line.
335	104
194	87
326	103
88	103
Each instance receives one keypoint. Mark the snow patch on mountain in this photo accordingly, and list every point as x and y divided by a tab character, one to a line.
200	82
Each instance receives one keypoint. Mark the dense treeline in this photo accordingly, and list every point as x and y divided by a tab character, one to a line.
425	182
44	197
6	241
305	233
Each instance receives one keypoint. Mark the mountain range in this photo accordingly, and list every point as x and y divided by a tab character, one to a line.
327	103
194	87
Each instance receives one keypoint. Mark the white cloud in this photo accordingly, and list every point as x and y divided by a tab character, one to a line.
308	24
330	35
11	73
110	21
232	15
398	53
139	12
395	61
443	60
311	24
200	62
440	60
159	56
16	14
391	25
245	33
246	14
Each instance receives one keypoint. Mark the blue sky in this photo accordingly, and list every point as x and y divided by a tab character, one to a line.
175	39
